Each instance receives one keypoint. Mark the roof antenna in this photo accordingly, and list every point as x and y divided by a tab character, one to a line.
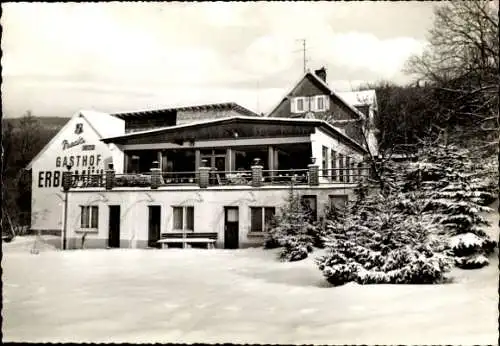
304	57
258	92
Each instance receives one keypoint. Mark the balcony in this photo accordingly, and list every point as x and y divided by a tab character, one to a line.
209	177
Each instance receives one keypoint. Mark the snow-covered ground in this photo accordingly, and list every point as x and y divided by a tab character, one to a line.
238	296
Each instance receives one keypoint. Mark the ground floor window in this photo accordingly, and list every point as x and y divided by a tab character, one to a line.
309	203
183	218
338	202
89	216
261	218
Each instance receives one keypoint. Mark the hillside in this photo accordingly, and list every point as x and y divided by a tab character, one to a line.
49	123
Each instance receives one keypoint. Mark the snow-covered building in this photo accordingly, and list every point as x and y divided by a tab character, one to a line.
220	180
366	102
352	113
213	173
77	144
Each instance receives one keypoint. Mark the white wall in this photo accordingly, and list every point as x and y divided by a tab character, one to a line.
208	209
47	196
319	139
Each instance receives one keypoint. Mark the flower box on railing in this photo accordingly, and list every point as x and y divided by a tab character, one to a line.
132	180
88	180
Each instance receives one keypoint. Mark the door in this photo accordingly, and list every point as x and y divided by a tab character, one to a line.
220	166
114	226
231	227
154	225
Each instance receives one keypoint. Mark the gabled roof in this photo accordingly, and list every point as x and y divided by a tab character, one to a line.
103	124
327	88
200	108
267	120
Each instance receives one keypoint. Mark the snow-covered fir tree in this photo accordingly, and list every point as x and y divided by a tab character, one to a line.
293	230
455	191
379	243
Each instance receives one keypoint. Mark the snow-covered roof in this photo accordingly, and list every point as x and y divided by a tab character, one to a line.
104	124
360	98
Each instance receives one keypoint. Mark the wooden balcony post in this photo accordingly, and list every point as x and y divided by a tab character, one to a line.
270	161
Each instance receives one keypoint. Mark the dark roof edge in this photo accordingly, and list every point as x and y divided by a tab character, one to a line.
224	105
315	122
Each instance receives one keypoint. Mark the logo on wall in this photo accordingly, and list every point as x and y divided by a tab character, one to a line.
78	128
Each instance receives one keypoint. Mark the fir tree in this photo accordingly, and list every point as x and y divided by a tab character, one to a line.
293	230
455	191
379	243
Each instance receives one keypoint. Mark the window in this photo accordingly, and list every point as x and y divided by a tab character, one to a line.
347	166
89	216
299	104
333	158
341	167
338	202
320	103
310	205
183	218
261	218
324	162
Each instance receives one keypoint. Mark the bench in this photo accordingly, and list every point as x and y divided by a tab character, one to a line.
186	241
208	238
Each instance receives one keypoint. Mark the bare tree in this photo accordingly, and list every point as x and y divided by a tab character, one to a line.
462	63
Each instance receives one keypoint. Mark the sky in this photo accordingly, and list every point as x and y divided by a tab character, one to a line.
59	58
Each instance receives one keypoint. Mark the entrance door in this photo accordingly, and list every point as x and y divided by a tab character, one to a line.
114	226
231	227
154	225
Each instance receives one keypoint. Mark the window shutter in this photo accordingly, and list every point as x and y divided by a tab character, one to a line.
306	103
326	101
312	102
293	105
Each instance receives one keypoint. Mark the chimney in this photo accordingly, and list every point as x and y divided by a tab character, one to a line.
321	73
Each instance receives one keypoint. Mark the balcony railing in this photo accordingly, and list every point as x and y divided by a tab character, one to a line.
285	176
230	177
87	180
344	175
206	177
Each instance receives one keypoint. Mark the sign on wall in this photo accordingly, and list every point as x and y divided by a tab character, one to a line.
81	162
